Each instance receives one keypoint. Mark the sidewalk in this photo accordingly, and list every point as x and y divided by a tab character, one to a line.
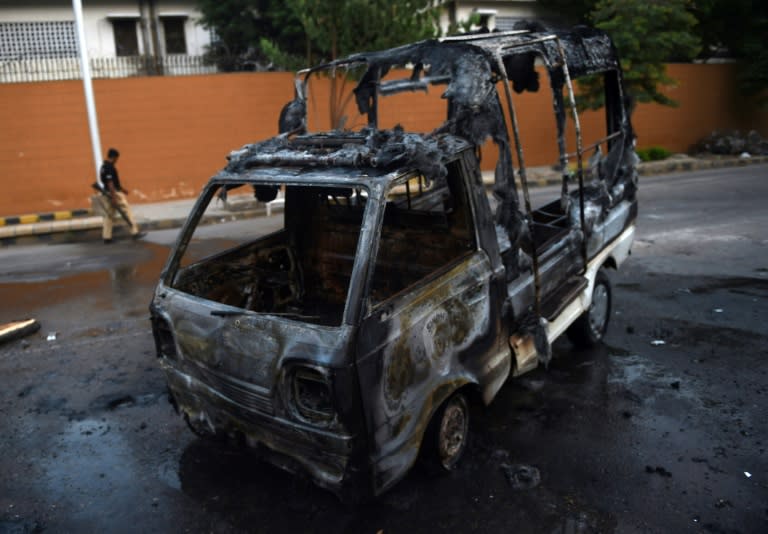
82	224
79	225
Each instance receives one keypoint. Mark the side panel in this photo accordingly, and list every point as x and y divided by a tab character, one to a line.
418	348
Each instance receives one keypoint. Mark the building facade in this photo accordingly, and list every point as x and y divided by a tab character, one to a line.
498	15
38	38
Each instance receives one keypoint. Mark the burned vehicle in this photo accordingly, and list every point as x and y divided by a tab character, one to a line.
347	336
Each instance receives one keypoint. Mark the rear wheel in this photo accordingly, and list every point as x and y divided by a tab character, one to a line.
446	436
589	329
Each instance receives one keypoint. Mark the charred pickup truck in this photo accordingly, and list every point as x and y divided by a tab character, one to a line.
345	337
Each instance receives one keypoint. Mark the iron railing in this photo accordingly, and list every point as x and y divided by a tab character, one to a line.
43	69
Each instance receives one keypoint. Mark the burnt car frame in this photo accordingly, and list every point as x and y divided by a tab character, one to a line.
350	340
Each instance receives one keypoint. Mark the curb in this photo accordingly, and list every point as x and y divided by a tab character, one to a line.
46	227
64	231
693	164
45	217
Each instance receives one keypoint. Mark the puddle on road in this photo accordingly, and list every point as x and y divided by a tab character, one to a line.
119	283
753	287
91	458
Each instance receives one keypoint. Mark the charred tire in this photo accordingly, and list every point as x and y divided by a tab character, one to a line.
589	329
446	436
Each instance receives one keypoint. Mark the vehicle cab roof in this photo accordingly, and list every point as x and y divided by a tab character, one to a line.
342	158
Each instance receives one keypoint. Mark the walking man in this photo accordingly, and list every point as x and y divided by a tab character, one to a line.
116	194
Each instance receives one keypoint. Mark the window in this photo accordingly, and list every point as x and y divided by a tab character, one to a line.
126	41
32	40
297	263
175	41
427	227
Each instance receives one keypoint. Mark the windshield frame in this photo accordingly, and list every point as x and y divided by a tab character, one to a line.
372	210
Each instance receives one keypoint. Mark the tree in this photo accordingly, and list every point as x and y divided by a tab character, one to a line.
238	27
336	28
298	33
731	28
568	11
737	28
647	34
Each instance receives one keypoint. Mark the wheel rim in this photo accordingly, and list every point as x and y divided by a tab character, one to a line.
453	432
598	310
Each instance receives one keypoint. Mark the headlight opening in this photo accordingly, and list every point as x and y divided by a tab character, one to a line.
311	394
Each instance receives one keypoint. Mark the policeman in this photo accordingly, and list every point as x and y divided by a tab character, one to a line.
116	194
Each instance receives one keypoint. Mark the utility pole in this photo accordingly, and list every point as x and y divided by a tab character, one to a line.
85	71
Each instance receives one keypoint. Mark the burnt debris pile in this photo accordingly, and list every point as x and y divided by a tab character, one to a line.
734	143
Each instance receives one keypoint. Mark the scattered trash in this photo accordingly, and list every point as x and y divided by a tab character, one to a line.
120	401
658	342
17	329
745	155
718	310
521	477
747	474
658	470
51	336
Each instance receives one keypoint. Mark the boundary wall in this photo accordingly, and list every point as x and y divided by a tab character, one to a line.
175	132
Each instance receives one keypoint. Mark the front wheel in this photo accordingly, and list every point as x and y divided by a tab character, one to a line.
446	436
589	329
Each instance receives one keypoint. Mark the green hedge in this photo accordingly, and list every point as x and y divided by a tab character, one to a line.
654	153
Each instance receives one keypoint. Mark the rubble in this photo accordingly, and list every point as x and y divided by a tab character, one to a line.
733	143
18	329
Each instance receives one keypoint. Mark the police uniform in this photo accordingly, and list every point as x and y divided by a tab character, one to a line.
108	174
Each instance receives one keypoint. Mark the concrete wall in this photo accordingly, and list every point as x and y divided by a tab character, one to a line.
175	132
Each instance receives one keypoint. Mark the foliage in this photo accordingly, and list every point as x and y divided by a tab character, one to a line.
654	153
254	34
569	11
647	33
336	28
239	26
464	26
738	27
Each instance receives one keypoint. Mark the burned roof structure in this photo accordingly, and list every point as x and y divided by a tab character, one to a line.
480	71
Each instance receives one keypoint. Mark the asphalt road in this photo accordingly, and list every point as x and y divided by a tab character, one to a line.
662	429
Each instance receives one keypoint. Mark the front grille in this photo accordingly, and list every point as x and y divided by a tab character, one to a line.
248	396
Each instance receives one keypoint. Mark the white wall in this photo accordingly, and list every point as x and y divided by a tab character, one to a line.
98	28
526	9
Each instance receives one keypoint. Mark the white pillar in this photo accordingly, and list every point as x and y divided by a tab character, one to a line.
85	71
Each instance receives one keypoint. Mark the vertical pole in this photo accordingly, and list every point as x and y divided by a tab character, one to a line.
85	70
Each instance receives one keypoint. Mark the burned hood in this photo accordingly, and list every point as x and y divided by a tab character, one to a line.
247	346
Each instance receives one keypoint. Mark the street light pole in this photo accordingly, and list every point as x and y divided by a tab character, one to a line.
85	71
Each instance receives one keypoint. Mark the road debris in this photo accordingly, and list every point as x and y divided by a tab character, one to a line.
658	342
658	470
521	477
17	329
51	336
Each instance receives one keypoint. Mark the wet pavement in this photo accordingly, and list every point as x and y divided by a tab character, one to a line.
662	429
